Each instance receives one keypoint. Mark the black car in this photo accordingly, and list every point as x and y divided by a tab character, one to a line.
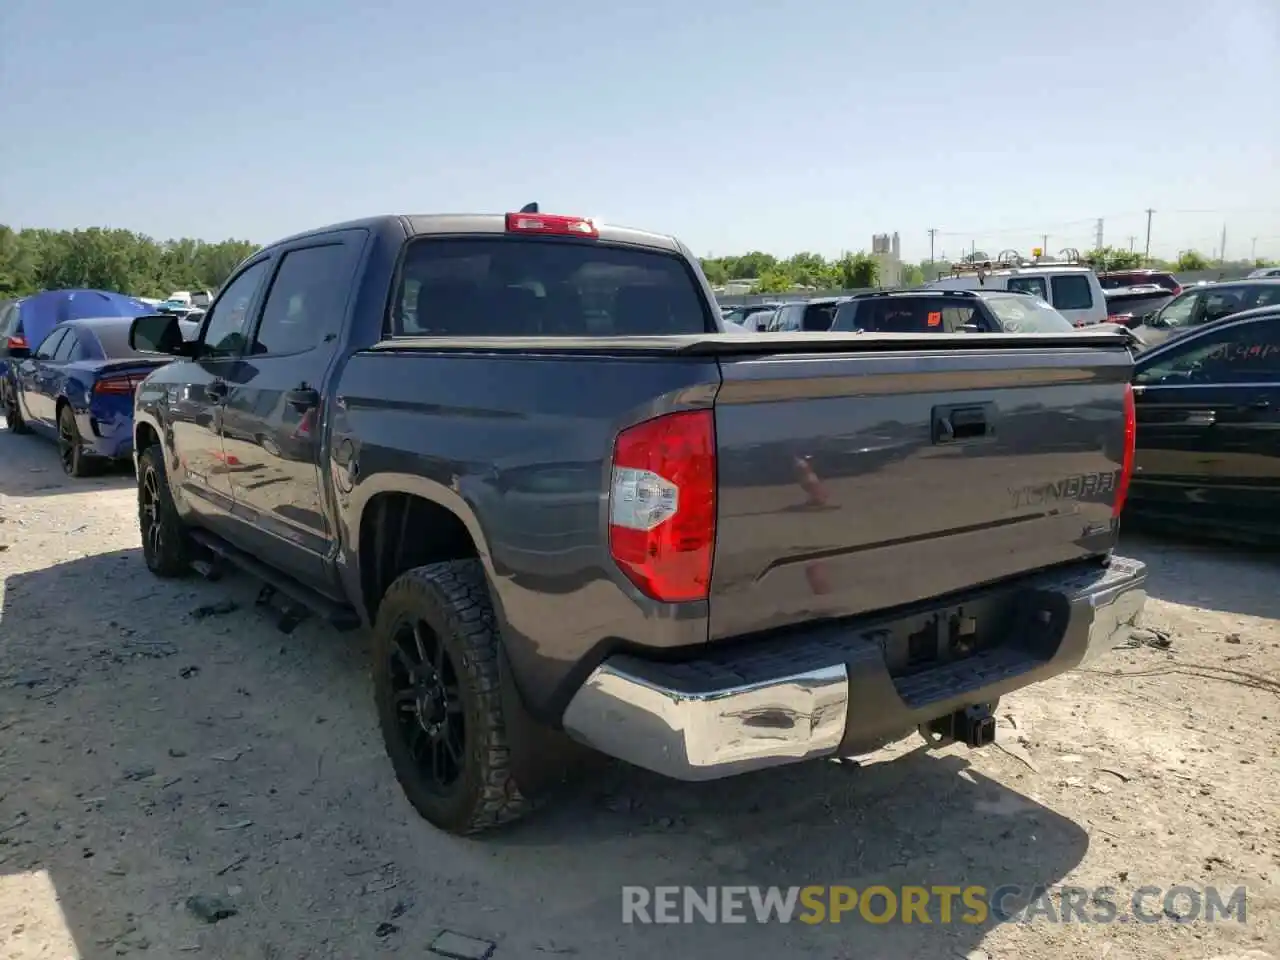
1199	305
1130	306
810	316
1208	419
948	311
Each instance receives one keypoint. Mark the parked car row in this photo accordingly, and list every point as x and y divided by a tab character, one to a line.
67	372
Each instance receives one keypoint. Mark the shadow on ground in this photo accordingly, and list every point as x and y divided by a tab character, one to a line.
164	740
32	469
1216	576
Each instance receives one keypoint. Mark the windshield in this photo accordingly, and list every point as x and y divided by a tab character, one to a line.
1028	315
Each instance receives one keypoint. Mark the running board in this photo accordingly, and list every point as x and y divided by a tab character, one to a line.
338	614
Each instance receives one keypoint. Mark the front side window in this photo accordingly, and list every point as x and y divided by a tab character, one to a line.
513	287
227	323
1240	353
47	349
1072	291
1033	285
307	300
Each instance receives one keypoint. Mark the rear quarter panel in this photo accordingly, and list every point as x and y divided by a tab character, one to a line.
519	448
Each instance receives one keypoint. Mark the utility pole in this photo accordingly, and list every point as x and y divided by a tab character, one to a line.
1044	246
1253	249
1222	251
1146	256
1132	241
932	233
1098	242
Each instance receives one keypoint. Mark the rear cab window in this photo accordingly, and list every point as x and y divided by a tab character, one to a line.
495	286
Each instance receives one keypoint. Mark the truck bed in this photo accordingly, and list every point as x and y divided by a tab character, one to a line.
837	493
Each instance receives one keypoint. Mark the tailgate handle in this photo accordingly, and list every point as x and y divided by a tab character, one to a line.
951	424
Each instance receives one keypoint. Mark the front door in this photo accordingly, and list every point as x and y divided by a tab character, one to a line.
1208	446
202	473
1246	434
36	382
274	414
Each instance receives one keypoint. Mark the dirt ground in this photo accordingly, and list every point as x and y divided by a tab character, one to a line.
160	742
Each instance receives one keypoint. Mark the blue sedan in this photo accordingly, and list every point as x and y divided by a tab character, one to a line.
77	387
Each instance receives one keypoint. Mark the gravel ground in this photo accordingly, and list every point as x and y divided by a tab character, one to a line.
161	742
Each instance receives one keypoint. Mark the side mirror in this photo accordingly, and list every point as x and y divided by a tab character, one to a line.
159	333
19	353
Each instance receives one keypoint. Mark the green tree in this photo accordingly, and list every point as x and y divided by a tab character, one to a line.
855	271
110	259
1191	260
715	271
774	281
1110	258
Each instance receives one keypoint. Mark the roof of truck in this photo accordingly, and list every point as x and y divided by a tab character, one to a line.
477	224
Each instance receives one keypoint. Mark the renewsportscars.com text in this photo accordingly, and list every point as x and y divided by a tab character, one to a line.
930	905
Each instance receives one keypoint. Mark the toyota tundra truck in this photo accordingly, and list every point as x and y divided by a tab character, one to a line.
573	507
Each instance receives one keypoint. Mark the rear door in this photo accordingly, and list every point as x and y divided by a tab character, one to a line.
272	425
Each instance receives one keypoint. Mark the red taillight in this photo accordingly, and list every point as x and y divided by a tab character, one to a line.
662	505
1120	318
1130	443
117	386
1177	289
19	343
550	223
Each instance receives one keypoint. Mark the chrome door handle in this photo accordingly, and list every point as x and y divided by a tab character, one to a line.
1201	418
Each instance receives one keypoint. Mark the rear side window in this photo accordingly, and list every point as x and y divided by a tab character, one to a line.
1072	291
67	346
504	287
907	315
307	300
114	341
1028	285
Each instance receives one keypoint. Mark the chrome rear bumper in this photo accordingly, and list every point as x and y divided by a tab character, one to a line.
765	706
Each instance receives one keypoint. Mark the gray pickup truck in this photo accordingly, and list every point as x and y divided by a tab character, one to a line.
572	508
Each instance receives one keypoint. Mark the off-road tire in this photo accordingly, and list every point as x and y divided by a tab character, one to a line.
169	555
452	599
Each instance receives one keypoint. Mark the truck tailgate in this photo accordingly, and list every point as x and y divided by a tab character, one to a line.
862	481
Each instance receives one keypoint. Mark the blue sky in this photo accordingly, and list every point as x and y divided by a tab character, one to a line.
736	126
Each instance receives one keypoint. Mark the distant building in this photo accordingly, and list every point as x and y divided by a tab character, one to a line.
887	250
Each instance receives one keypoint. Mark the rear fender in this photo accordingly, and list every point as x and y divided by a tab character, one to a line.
353	504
